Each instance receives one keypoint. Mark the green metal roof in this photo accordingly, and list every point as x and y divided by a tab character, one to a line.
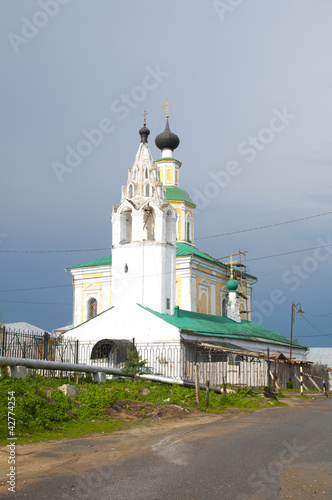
168	158
219	326
173	193
103	261
182	250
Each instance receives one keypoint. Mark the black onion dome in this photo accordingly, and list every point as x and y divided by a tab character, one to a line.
167	140
144	132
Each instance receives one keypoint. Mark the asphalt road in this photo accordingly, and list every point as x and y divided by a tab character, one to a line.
276	453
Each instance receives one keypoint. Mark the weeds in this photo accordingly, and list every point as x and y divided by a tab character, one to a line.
43	412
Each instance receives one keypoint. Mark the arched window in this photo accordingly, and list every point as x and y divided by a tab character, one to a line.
126	226
92	308
169	227
188	229
147	190
203	297
130	191
146	173
224	307
149	224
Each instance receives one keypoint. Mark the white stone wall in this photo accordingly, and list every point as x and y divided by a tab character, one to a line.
126	322
87	286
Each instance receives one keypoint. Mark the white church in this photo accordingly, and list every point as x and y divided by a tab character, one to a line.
156	286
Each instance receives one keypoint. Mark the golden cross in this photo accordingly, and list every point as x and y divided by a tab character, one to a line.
144	114
230	263
166	105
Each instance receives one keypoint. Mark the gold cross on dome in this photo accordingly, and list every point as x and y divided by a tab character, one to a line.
144	114
166	105
230	263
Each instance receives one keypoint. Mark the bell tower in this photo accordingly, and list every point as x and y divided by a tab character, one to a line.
169	168
144	237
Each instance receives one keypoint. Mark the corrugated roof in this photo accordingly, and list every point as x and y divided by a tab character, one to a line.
219	326
321	355
23	327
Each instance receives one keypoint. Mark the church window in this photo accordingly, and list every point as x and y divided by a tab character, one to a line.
126	226
146	173
169	226
92	308
203	297
149	224
135	174
152	191
224	307
147	189
126	268
130	191
168	175
188	230
168	304
176	176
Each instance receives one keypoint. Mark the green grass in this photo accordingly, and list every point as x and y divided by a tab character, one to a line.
43	412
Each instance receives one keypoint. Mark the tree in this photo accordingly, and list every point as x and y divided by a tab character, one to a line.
134	365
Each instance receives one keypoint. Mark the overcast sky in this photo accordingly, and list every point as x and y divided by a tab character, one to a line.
251	87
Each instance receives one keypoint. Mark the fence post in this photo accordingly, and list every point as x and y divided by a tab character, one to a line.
46	337
274	375
4	334
76	352
268	370
207	393
198	389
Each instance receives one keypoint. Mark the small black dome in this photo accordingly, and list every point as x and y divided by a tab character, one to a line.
167	140
144	132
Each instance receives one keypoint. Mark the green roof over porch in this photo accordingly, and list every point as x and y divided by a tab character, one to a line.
194	323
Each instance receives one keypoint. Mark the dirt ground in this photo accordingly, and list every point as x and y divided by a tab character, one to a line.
130	411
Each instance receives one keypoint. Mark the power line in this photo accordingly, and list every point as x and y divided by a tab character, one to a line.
159	274
288	253
312	336
48	303
320	331
319	315
37	288
54	251
199	238
264	227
